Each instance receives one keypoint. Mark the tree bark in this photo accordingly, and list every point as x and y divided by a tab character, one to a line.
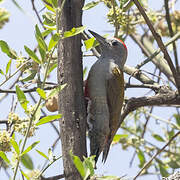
71	99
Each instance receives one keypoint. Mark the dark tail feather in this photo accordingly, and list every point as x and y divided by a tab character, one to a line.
97	155
105	152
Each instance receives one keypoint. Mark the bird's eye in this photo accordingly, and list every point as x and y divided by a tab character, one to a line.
114	43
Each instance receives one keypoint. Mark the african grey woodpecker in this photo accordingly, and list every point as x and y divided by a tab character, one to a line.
105	91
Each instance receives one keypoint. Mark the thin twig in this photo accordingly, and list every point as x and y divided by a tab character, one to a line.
168	19
153	157
40	174
32	118
36	12
27	90
160	44
143	133
20	67
172	40
149	86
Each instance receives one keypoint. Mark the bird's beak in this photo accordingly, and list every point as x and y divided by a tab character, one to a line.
99	38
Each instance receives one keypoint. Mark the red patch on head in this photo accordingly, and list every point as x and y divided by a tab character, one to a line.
121	42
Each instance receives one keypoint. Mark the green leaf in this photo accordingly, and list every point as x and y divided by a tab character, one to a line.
46	32
38	113
170	133
27	161
79	165
32	55
38	32
158	137
41	92
6	49
141	157
48	20
54	3
48	119
42	154
49	7
8	66
30	77
54	40
177	117
163	171
30	147
90	43
21	98
89	164
52	68
4	157
1	72
15	145
117	137
74	31
56	90
43	54
41	43
90	5
174	164
40	39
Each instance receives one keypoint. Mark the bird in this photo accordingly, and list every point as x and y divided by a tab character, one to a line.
104	89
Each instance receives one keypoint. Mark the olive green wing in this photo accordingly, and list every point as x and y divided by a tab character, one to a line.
115	98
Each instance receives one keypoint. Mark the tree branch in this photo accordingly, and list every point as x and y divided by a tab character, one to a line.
27	90
160	44
158	60
164	97
136	73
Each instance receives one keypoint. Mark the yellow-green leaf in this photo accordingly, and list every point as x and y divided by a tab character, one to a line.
21	98
90	5
48	119
27	162
74	31
4	157
30	147
32	55
158	137
15	145
7	50
41	92
42	154
79	165
54	40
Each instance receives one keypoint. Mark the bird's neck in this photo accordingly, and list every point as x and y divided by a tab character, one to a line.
113	59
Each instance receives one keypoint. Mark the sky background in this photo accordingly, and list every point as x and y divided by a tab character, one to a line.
19	32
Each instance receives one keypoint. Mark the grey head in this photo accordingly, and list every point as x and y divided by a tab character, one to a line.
112	48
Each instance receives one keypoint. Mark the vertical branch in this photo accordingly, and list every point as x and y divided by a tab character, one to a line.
168	19
115	19
71	99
